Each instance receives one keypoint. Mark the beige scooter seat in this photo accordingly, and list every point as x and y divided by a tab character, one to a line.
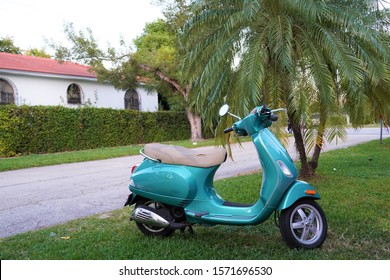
184	156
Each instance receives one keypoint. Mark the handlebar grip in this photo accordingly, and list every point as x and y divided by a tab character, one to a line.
227	130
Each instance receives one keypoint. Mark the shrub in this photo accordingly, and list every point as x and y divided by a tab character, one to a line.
47	129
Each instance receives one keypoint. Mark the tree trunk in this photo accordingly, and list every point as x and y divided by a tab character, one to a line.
193	118
306	170
319	140
317	149
196	125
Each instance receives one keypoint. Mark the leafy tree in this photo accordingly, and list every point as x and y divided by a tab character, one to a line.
176	12
7	45
157	58
37	53
308	56
156	48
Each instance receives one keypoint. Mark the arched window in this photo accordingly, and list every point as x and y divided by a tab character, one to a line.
73	94
132	100
7	94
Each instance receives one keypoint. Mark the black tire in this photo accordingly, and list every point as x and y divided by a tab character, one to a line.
303	225
153	230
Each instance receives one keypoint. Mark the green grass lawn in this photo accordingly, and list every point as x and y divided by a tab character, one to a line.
355	195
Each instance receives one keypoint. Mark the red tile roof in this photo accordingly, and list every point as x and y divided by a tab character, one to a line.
42	65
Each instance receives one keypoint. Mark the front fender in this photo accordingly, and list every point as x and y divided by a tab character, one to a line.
296	191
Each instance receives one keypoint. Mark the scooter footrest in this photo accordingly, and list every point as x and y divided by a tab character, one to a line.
234	204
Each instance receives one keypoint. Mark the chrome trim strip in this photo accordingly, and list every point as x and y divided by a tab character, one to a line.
148	157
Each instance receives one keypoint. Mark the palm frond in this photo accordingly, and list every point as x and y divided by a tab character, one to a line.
310	56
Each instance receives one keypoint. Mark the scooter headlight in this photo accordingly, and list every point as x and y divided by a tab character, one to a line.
286	171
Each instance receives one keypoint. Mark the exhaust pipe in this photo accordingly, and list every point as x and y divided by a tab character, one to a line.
146	215
151	217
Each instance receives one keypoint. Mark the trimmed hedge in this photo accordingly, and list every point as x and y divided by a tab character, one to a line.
47	129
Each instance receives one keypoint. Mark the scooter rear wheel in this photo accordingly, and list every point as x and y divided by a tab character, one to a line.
303	225
153	230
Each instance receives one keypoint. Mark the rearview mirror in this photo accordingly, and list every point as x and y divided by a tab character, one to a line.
223	110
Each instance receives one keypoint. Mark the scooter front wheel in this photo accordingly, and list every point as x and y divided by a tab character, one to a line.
303	225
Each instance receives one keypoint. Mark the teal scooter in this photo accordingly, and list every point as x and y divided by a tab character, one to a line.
173	188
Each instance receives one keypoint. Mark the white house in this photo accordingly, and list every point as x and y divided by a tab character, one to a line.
27	80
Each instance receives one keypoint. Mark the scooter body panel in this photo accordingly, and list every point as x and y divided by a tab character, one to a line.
209	208
272	154
215	214
176	185
297	191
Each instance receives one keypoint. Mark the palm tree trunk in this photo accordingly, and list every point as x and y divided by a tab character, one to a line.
306	170
317	149
316	155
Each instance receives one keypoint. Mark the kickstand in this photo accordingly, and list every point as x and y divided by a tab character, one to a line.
190	229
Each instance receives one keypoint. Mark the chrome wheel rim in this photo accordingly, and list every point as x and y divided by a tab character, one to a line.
306	224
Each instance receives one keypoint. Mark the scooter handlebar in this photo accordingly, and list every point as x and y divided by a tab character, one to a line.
264	110
267	111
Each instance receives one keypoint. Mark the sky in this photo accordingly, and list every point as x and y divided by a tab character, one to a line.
29	22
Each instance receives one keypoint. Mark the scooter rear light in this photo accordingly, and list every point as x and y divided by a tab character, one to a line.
134	168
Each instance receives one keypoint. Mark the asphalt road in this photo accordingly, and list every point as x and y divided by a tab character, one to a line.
34	198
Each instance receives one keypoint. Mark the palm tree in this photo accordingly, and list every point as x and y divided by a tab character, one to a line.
305	55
